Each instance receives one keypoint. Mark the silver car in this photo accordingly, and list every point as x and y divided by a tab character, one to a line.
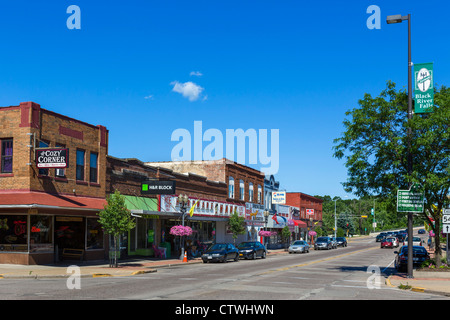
299	246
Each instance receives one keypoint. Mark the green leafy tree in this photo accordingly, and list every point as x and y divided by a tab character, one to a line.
237	225
375	148
286	235
116	219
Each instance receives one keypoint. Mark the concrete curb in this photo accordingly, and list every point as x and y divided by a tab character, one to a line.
418	289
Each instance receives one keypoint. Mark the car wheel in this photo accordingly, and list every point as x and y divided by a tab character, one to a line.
263	256
225	259
237	258
254	255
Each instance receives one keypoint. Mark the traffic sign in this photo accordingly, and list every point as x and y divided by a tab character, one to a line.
446	228
410	200
446	216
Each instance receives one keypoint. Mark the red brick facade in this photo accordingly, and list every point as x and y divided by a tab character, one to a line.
45	203
221	170
304	202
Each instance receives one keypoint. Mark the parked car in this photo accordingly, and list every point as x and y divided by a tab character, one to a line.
333	243
420	254
323	243
341	241
389	243
401	237
299	246
252	250
416	241
221	252
380	237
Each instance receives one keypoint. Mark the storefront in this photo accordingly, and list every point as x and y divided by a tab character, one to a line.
275	224
254	219
208	222
41	233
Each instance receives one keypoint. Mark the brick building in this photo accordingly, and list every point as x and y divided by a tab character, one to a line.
310	208
244	184
156	214
46	212
245	187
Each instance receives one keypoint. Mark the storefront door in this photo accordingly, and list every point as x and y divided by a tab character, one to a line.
69	234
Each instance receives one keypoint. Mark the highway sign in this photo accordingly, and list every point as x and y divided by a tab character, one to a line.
446	228
410	200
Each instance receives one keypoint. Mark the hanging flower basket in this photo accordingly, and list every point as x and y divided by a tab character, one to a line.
264	233
181	231
432	233
312	233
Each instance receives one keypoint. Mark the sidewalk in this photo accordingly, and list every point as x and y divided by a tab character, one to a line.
95	269
424	281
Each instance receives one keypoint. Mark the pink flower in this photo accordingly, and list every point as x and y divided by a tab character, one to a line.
181	231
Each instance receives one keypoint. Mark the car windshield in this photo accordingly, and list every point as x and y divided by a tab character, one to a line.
388	240
416	250
341	239
322	239
247	245
298	243
218	246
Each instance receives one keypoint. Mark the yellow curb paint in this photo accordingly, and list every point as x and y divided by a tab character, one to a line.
418	289
99	275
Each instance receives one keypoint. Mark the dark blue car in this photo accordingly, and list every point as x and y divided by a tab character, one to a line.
221	252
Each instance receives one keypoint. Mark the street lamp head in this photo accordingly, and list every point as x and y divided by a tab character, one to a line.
395	19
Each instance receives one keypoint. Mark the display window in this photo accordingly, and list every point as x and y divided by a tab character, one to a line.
94	234
13	233
41	233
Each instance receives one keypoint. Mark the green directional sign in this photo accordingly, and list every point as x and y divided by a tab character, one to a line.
423	87
410	200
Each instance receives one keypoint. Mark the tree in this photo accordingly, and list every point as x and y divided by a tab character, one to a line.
286	235
375	147
237	225
116	219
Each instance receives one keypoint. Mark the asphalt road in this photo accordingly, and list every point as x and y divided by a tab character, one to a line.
343	273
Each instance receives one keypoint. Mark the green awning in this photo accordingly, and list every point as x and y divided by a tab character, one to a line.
141	203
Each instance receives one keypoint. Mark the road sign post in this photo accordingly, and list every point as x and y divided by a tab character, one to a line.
446	229
410	201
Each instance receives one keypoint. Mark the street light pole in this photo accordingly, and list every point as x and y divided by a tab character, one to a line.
183	201
390	20
335	219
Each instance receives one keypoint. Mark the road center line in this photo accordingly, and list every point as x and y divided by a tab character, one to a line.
316	261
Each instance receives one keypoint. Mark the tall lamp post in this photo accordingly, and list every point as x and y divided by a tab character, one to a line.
183	200
391	20
266	219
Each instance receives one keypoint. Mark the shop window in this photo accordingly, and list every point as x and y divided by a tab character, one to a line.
80	165
13	233
41	233
93	163
94	234
6	155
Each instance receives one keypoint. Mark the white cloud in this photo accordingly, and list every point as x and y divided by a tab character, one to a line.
196	73
188	89
149	97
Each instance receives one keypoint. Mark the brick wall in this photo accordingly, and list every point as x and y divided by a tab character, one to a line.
18	122
221	170
305	201
126	175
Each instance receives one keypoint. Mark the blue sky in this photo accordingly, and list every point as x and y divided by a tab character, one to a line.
296	66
